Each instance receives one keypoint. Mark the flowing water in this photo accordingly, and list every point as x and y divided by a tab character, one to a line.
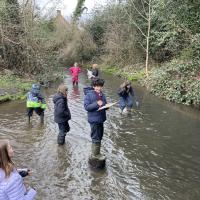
152	153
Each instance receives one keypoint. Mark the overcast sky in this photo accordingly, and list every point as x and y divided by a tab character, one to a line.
67	6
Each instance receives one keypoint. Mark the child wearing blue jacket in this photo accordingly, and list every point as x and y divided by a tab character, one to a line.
126	95
93	101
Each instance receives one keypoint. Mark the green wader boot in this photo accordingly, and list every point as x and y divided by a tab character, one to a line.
96	152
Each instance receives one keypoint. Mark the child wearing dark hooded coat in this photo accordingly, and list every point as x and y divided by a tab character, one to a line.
61	113
93	101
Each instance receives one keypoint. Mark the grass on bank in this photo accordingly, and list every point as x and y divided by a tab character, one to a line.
13	87
132	75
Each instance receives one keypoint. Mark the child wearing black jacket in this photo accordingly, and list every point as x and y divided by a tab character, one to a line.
61	113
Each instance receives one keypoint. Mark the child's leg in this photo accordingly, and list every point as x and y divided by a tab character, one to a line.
63	129
40	112
97	131
129	102
122	103
29	113
76	80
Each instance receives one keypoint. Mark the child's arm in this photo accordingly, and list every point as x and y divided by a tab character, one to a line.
90	106
121	92
41	98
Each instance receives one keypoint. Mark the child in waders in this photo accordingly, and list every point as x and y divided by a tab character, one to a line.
61	113
35	102
126	94
75	71
94	100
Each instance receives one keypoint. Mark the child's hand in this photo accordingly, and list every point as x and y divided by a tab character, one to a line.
29	172
100	103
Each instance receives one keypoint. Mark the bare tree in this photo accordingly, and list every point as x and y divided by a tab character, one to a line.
142	9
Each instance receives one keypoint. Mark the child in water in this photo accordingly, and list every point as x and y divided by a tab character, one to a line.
61	113
35	102
95	71
93	101
126	94
75	71
11	182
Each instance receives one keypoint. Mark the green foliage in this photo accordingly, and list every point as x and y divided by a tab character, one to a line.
8	81
13	87
174	25
127	74
177	82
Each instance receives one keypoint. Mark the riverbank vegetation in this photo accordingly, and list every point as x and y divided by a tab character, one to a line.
154	41
13	86
30	46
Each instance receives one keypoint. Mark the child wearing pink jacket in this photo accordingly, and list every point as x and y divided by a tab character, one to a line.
75	70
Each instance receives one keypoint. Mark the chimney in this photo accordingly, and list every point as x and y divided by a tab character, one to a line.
58	12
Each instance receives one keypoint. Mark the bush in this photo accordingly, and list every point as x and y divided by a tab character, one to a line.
177	82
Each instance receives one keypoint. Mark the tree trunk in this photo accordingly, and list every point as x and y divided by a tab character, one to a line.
148	35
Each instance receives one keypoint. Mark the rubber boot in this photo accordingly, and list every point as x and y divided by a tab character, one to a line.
96	152
61	139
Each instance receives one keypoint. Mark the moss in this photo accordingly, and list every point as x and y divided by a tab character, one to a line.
5	98
13	87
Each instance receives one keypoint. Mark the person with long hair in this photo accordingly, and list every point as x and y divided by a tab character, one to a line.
11	183
126	95
61	113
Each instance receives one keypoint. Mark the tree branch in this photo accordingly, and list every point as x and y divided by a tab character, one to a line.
5	38
138	11
136	24
143	7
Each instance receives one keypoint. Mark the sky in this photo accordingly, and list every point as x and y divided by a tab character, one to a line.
67	6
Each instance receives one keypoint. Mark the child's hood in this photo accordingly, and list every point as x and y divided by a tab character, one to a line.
57	97
88	89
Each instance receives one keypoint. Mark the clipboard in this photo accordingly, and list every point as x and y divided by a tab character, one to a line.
108	105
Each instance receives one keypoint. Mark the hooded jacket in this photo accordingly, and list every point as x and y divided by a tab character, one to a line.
35	99
12	187
90	104
61	110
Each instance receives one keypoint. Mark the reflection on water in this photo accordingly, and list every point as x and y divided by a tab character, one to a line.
153	153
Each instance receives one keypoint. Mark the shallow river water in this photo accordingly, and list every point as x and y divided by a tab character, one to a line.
152	153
